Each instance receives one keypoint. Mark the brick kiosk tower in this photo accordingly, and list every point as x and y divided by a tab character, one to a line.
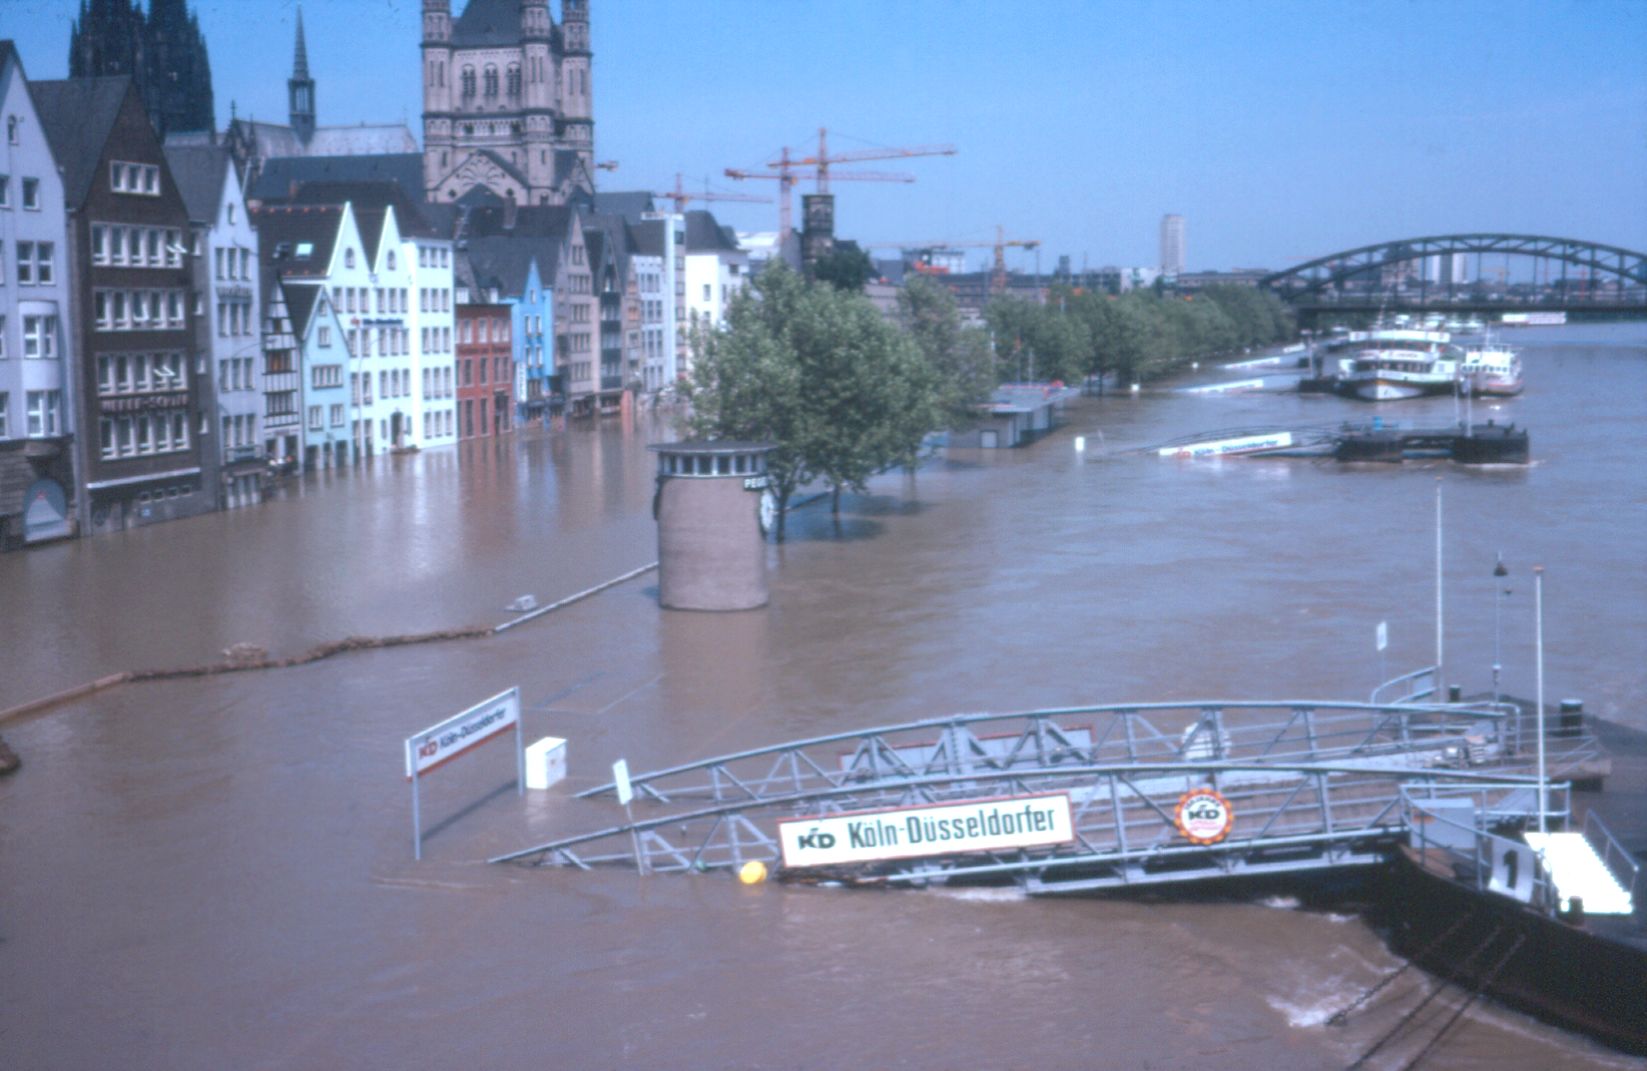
712	508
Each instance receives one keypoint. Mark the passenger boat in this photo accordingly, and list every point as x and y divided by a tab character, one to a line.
1401	362
1496	912
1491	369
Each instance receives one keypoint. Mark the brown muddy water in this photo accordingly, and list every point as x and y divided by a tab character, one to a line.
217	872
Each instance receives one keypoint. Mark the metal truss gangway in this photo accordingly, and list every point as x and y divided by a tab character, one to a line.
1307	784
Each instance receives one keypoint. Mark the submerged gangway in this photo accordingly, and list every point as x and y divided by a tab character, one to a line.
1309	784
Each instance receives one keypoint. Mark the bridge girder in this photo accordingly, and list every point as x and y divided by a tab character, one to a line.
1315	276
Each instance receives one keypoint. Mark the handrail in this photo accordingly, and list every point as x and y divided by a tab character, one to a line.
1481	712
1411	696
1610	845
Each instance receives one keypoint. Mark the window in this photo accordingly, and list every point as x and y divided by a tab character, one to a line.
44	413
125	177
468	81
349	262
335	416
31	194
514	80
314	418
5	191
391	260
491	81
323	337
40	337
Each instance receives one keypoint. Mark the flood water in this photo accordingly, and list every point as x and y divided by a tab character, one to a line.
217	872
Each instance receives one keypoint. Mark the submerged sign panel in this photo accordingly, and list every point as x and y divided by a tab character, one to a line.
938	829
457	734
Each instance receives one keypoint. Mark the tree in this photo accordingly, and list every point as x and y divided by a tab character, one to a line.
846	267
746	385
842	392
959	357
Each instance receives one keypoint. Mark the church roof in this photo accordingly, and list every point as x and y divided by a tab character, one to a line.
281	179
270	140
198	170
487	22
78	115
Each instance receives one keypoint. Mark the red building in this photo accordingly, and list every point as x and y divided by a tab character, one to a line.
485	370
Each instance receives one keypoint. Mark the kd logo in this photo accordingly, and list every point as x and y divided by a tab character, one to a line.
813	839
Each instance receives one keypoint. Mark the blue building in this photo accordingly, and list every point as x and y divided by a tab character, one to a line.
514	268
323	363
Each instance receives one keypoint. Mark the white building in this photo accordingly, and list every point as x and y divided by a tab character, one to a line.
716	268
392	292
36	402
229	312
1172	244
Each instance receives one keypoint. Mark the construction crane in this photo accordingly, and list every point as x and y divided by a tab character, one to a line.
682	198
998	273
784	170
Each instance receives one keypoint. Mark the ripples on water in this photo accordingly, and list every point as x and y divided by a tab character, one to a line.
216	872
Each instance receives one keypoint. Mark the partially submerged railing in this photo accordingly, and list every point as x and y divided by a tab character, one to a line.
1414	687
1272	732
1436	814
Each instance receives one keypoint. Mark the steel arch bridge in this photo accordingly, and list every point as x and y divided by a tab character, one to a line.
1329	275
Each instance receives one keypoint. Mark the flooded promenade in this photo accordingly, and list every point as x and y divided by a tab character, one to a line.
217	872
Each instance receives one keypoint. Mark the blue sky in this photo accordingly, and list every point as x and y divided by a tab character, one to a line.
1279	130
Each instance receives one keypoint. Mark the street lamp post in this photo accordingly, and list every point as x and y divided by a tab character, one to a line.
1499	591
1538	616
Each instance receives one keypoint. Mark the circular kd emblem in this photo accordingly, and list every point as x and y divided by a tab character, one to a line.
1204	816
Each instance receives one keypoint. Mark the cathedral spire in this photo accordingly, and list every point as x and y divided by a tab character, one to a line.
300	60
300	89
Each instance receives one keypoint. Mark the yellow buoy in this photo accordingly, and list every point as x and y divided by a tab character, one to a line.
752	872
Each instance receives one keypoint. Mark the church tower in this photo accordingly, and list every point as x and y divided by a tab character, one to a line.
300	89
437	92
538	105
578	100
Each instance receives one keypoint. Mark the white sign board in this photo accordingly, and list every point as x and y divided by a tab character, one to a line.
1246	444
936	829
461	732
620	782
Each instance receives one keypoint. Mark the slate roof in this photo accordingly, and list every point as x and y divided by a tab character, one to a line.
650	237
282	228
302	299
705	235
199	170
371	201
630	204
504	262
282	178
78	115
487	22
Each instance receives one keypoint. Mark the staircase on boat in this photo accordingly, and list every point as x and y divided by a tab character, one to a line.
1578	872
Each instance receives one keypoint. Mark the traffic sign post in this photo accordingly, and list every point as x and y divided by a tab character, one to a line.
457	734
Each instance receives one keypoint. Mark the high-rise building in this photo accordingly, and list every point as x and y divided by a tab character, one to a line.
1172	244
508	106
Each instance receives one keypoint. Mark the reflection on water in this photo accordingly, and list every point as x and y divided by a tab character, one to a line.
217	872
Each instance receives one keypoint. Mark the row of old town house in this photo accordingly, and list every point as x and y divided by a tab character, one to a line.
173	337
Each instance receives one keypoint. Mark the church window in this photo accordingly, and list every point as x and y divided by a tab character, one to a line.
468	81
491	81
514	80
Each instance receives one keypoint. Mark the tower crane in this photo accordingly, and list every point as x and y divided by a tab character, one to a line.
785	166
998	272
682	198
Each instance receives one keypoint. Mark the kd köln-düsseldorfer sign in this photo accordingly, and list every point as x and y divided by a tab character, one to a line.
937	829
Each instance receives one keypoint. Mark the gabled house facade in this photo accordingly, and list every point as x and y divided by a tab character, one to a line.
324	369
37	402
229	320
139	380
